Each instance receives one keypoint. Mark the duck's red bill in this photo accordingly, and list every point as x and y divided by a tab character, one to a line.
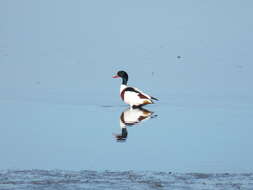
116	76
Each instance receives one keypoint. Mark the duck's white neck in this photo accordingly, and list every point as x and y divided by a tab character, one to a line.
122	87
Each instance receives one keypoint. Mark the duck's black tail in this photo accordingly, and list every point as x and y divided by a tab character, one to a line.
154	98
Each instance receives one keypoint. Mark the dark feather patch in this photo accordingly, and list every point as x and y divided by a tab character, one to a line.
142	96
141	118
122	94
130	89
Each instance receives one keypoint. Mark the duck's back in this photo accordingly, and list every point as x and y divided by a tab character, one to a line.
134	96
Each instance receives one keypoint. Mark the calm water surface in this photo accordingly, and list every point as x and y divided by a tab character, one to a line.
181	133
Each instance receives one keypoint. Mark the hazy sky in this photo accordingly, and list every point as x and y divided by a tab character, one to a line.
72	45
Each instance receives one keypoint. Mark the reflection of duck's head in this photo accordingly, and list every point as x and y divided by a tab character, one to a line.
131	117
123	136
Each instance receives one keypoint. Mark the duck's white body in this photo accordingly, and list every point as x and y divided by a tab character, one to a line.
133	96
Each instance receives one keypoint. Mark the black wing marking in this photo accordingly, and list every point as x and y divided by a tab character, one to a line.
154	98
131	89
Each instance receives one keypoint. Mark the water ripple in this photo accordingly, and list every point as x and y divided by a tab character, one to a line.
60	179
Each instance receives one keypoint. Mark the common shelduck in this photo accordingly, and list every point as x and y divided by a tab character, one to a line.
130	95
131	117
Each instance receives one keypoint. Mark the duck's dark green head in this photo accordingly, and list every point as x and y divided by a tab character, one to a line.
123	75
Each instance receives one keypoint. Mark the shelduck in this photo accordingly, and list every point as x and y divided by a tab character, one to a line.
130	95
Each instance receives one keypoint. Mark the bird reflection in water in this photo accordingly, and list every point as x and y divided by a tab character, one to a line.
131	117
